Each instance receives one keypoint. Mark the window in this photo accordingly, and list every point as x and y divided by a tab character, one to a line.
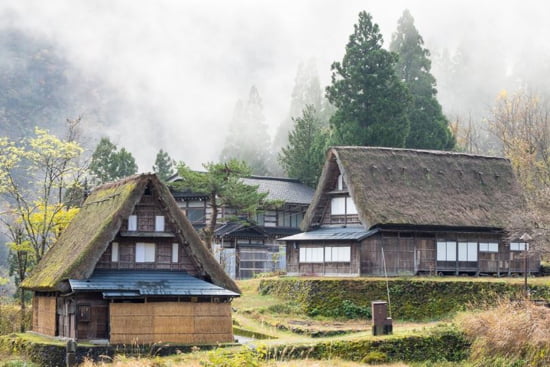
488	247
260	219
446	251
288	219
175	252
467	251
114	252
195	211
159	223
342	205
132	223
83	314
518	246
145	252
311	254
340	185
338	254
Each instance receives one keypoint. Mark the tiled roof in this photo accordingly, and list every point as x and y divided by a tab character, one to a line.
130	283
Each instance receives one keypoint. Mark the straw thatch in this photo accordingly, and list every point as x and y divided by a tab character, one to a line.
75	254
419	187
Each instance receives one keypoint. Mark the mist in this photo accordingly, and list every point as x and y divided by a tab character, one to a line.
170	72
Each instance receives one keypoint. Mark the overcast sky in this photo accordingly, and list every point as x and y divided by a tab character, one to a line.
180	66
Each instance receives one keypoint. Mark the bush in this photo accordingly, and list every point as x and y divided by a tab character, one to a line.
10	317
411	299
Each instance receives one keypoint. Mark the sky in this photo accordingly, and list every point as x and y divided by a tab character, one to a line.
179	67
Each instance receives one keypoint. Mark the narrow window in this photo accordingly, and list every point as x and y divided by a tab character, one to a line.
175	252
145	252
340	183
114	252
159	223
132	223
518	246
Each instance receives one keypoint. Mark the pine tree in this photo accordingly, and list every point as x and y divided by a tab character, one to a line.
304	155
164	166
429	127
248	140
109	164
370	99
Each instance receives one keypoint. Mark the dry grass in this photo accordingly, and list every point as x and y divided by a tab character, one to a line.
513	331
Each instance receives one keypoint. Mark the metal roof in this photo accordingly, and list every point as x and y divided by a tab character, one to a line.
241	228
132	283
289	190
332	233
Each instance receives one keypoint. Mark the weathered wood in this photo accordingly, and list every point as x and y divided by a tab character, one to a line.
170	322
43	314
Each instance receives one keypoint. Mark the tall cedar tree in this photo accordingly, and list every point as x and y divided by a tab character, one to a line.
248	139
164	166
109	164
429	127
223	184
304	155
371	101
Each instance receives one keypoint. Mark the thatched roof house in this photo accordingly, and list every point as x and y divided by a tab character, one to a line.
131	229
439	196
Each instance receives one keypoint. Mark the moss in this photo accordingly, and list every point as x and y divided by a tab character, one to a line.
411	299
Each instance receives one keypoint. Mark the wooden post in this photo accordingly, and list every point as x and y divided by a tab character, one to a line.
70	358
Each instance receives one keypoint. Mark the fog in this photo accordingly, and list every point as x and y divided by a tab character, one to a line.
175	69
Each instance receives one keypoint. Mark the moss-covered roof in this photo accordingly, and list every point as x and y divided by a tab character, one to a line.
82	243
420	187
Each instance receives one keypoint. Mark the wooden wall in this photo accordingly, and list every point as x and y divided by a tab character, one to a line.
295	267
196	323
43	314
163	256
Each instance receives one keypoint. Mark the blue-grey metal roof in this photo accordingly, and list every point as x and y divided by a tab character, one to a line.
289	190
132	283
332	233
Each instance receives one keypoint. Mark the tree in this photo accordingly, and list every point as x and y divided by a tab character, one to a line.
304	155
521	122
164	166
34	174
223	184
371	101
429	127
108	164
248	140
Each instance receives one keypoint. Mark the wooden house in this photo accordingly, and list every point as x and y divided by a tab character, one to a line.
249	246
391	211
130	268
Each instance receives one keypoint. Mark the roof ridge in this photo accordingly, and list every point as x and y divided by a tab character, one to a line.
421	151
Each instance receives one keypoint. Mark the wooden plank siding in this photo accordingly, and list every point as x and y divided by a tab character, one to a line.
44	314
351	268
144	323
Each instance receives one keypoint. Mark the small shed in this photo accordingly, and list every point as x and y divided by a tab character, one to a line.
130	268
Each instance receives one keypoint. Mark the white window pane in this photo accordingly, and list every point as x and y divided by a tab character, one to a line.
441	251
340	182
132	223
472	251
140	252
337	206
344	254
451	251
462	251
302	255
149	252
328	254
351	209
175	252
114	252
159	223
493	247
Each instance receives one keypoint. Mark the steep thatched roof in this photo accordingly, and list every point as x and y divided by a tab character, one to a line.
419	187
82	243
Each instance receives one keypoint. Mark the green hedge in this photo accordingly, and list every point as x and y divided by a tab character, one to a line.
411	299
444	345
